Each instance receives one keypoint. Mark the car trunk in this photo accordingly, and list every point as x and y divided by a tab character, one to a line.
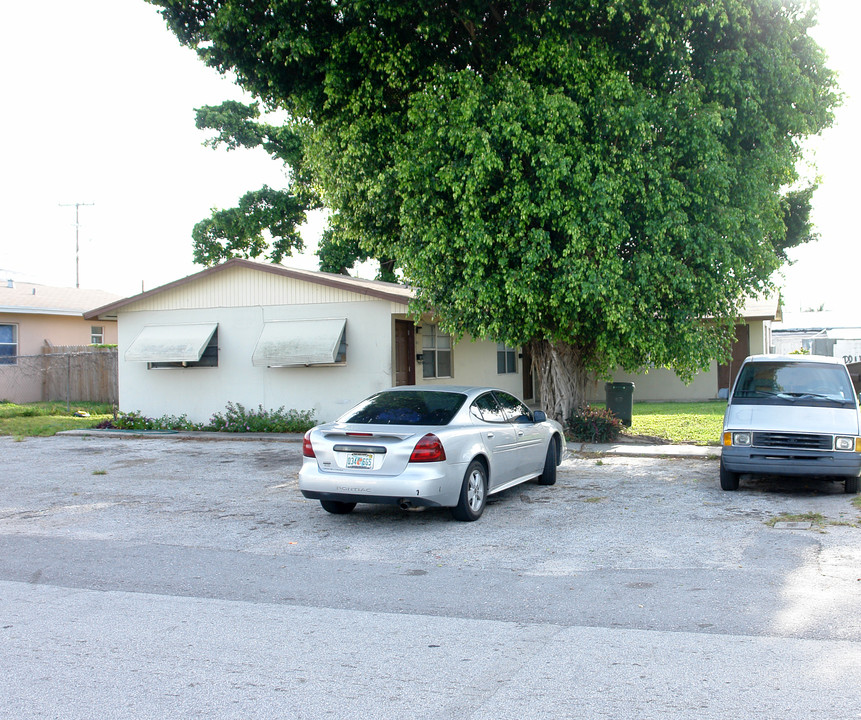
384	452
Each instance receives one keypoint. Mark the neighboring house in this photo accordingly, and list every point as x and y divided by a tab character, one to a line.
34	319
819	333
752	337
836	334
267	335
33	315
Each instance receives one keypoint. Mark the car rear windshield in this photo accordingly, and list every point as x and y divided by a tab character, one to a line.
794	383
418	407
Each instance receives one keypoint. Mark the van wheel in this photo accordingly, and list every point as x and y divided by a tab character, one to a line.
852	485
728	480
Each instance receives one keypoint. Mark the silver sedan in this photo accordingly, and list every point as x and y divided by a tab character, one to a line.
429	446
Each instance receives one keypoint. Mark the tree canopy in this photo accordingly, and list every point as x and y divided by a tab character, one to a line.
592	179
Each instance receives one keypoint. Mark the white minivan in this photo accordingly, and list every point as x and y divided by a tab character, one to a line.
792	415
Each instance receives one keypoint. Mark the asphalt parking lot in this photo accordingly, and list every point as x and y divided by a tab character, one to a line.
148	577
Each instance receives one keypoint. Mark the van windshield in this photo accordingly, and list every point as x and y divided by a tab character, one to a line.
794	383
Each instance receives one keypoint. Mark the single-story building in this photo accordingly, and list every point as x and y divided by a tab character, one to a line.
268	335
823	332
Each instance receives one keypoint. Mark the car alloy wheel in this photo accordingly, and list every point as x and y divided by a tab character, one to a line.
473	493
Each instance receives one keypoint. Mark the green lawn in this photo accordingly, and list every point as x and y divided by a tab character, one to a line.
42	419
699	423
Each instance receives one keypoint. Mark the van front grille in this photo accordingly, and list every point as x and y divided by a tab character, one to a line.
794	441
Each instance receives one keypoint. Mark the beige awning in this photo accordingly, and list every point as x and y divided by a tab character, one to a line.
170	343
289	343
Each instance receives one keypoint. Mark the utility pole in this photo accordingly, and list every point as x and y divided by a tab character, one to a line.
77	207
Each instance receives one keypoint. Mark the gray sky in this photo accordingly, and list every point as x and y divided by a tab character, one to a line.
99	108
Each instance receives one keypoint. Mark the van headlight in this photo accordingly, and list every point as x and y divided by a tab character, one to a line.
741	438
844	443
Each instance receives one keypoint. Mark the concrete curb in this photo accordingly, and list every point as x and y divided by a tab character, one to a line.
653	451
574	448
186	435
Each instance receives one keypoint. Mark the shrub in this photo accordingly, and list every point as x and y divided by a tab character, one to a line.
596	425
237	419
234	419
136	421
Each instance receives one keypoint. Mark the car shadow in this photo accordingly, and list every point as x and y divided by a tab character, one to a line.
791	485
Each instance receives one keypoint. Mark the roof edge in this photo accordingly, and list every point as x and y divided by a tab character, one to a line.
16	310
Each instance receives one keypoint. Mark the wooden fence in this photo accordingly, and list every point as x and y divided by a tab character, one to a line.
70	373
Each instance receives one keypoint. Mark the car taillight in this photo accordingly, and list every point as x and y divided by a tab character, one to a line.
428	449
307	447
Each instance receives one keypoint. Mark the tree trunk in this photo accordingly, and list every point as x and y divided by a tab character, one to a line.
562	375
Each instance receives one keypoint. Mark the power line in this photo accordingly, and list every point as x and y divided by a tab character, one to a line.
77	207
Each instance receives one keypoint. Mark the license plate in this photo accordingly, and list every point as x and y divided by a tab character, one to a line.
365	461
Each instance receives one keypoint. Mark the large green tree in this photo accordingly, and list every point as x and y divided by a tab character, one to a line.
601	181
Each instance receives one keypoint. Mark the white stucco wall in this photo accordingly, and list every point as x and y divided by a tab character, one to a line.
474	363
662	385
327	391
200	392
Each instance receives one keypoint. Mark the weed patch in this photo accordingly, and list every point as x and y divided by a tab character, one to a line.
817	519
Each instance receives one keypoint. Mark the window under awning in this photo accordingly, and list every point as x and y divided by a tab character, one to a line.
170	343
301	342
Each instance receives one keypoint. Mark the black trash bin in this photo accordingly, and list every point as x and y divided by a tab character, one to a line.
620	400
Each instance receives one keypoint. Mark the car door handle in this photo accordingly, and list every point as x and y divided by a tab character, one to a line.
489	435
520	432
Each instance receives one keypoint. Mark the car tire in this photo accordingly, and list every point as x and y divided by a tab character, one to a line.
473	493
852	485
336	507
548	476
728	480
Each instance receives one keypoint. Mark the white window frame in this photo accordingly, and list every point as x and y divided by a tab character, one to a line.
97	334
508	357
13	358
435	343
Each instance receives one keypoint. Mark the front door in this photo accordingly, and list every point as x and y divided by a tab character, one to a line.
405	352
740	350
526	369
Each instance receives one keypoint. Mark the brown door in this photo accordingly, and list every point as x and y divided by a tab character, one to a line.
526	369
405	352
740	350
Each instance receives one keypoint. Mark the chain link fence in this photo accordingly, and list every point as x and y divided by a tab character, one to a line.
68	374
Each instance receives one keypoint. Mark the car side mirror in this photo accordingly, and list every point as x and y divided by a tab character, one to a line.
539	416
